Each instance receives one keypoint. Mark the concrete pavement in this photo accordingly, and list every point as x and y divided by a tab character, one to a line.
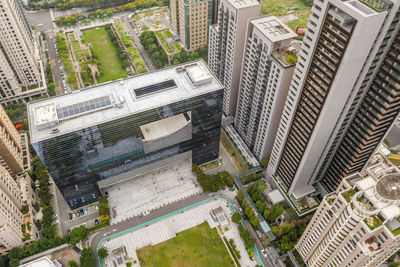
96	237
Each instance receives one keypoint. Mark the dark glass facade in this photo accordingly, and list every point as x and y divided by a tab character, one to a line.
78	160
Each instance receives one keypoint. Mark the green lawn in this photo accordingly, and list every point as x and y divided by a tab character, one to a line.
195	247
106	54
282	7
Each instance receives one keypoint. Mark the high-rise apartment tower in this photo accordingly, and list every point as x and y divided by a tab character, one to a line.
191	20
226	46
19	60
268	66
15	189
358	224
344	95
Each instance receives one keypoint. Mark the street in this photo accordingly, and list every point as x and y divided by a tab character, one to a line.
139	46
55	64
95	239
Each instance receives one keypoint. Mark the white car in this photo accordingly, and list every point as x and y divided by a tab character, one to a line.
264	253
147	212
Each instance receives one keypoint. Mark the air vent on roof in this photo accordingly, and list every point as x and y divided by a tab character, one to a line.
153	88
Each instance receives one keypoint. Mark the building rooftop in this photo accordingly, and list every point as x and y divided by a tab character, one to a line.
41	262
275	197
60	115
273	28
243	3
388	187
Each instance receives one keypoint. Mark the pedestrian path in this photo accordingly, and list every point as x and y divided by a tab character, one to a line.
167	228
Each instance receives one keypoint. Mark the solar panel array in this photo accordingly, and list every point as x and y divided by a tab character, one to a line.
82	107
155	87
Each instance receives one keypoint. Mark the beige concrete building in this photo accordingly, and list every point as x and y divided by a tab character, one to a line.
268	65
20	65
16	194
359	223
226	46
10	145
11	217
190	20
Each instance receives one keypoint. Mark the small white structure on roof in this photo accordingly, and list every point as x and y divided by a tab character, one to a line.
220	216
275	197
42	262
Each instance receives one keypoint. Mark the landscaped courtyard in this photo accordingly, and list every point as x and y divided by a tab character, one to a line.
197	246
294	13
105	54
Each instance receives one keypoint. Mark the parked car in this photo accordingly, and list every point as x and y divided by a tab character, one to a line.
85	210
82	212
70	216
97	206
94	195
83	200
78	214
106	193
147	212
96	222
76	187
264	253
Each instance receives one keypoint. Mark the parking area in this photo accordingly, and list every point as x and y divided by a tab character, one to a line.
167	228
152	190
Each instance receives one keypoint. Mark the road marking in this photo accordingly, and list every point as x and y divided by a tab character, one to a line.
114	230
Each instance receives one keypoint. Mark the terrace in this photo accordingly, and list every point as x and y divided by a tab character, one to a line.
373	222
348	195
286	58
169	43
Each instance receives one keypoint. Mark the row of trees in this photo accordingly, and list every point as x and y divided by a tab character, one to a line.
153	49
212	182
131	6
183	56
51	87
248	210
62	49
132	50
249	178
123	57
256	193
40	173
104	210
244	234
289	233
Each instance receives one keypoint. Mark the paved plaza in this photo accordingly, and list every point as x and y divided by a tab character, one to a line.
152	190
167	228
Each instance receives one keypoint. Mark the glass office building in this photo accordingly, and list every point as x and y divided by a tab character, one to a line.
114	128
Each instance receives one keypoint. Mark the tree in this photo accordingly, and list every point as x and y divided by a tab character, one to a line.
72	263
264	162
78	234
236	217
86	258
102	252
255	221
